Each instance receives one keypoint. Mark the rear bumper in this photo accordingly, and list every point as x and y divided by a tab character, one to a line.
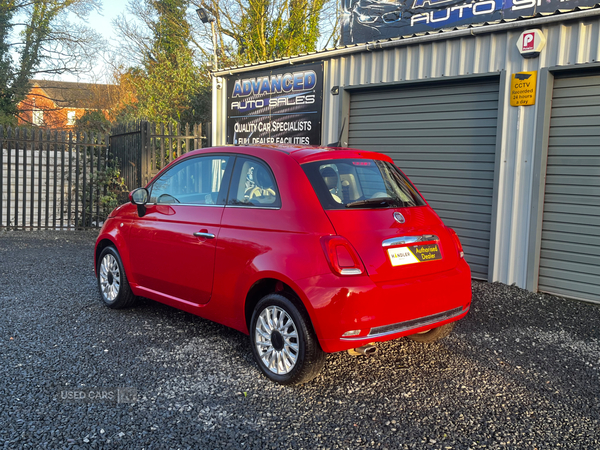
414	324
384	311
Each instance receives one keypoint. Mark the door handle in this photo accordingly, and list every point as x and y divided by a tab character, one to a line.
204	235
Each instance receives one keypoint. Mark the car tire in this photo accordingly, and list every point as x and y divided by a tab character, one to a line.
292	359
112	280
433	335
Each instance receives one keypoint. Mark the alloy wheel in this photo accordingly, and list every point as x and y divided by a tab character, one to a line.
110	277
276	340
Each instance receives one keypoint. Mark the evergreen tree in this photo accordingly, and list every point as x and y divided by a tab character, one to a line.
166	85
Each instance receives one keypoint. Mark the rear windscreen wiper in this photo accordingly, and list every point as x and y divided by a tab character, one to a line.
380	202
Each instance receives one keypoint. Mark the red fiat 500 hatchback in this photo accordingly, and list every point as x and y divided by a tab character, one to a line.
308	250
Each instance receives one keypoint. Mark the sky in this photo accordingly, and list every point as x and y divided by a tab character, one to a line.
102	23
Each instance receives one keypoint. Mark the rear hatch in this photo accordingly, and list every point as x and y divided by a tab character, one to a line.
391	250
375	207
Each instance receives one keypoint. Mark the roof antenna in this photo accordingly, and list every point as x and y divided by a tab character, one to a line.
339	141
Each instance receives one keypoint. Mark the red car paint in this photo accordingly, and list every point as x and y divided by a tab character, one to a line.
212	278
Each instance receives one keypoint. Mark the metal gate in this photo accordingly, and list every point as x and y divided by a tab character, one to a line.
55	179
143	148
52	179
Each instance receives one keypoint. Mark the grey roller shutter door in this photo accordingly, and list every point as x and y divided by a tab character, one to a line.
570	245
443	136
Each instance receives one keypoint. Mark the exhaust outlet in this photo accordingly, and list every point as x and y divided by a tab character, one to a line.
365	350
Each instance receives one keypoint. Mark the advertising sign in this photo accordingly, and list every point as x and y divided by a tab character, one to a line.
372	20
279	106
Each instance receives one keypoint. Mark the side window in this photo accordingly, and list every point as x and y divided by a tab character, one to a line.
253	184
195	181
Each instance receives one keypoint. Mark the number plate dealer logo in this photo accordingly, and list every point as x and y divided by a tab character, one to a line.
410	255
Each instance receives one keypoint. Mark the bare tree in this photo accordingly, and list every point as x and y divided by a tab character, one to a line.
37	38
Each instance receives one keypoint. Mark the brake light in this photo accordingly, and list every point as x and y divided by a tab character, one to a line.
341	256
461	253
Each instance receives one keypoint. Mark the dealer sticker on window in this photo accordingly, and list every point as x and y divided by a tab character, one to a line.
415	254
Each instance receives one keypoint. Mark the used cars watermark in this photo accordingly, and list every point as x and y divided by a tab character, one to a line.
94	395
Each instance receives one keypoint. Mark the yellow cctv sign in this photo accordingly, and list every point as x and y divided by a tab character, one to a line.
522	88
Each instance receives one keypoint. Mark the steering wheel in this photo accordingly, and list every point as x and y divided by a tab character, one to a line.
168	197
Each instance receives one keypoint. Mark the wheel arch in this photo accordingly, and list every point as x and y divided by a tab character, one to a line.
101	245
270	285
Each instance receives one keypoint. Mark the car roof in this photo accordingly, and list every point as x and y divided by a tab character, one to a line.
302	154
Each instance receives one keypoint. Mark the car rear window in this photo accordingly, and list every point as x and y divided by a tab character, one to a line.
361	183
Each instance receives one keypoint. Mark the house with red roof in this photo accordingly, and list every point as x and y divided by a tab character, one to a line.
58	104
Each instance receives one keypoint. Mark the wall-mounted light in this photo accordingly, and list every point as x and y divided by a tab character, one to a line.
205	18
335	90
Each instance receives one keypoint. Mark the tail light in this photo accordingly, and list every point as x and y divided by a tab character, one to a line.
341	256
461	253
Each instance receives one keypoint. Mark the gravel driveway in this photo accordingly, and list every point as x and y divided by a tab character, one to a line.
521	371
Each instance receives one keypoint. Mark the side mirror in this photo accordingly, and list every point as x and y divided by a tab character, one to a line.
139	196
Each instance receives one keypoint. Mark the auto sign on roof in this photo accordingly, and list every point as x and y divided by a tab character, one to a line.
371	20
281	106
